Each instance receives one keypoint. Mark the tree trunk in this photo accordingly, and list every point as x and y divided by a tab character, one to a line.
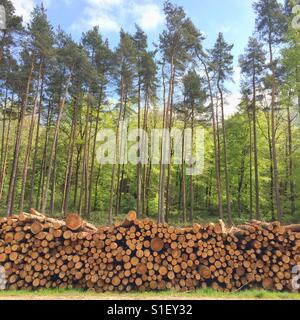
94	154
112	186
241	182
52	154
191	177
291	162
273	133
271	168
227	179
215	134
13	177
36	145
6	151
251	166
255	147
3	131
43	168
167	113
29	143
183	180
69	169
139	165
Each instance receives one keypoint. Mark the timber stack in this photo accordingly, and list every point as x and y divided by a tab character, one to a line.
41	252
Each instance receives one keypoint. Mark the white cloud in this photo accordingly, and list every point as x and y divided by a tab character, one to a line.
225	29
148	16
232	102
110	15
23	8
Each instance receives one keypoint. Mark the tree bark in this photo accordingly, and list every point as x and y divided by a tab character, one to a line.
273	134
215	134
227	178
29	143
52	154
13	177
255	147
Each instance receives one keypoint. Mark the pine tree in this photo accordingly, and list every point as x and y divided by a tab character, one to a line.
124	74
222	63
177	45
271	25
42	40
252	66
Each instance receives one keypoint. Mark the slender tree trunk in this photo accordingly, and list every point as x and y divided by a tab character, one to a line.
94	154
121	156
169	176
85	171
96	199
215	135
29	143
112	186
3	131
40	189
145	128
227	178
69	169
191	177
251	165
52	154
13	177
78	162
183	180
255	147
271	168
298	83
164	156
36	145
53	183
139	165
291	162
6	151
273	132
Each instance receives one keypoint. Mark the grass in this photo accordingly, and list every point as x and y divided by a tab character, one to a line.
165	295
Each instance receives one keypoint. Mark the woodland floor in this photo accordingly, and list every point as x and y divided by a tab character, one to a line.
206	294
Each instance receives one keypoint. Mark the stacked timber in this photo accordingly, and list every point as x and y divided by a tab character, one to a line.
41	252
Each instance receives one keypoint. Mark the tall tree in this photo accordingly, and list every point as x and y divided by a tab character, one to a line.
193	100
42	40
252	64
140	41
70	57
177	44
124	74
222	61
271	24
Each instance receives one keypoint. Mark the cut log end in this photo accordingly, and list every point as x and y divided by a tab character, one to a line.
157	244
73	222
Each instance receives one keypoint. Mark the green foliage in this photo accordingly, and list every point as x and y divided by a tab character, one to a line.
104	82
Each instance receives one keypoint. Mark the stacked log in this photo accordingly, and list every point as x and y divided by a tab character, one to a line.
41	252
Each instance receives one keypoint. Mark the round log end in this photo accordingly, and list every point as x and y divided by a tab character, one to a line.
73	221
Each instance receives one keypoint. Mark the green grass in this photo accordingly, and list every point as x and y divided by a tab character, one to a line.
172	295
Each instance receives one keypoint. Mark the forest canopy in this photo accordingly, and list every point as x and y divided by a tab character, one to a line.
56	94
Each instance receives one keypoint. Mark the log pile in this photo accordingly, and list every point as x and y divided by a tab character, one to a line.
41	252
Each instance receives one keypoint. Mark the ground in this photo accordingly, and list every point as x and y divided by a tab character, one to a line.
206	294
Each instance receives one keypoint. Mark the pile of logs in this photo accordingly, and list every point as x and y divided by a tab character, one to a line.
41	252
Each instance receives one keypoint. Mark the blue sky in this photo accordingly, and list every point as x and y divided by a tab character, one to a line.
235	18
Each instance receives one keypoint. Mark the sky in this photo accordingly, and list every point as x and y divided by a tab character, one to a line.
235	18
